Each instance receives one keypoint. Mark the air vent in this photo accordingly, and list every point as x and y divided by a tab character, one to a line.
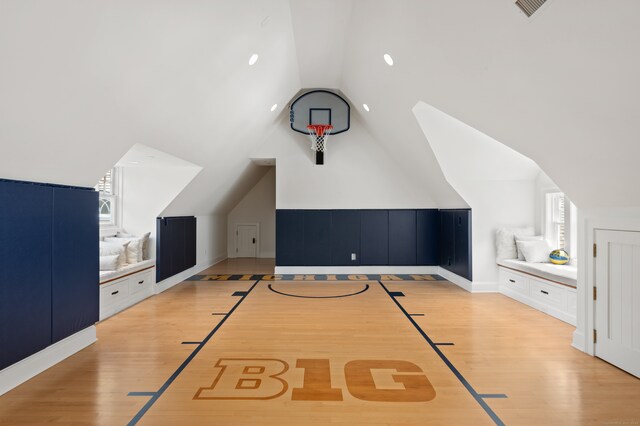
529	7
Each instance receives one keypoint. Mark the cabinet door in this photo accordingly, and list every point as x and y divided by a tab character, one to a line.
190	242
289	238
25	270
374	234
345	237
428	224
317	237
75	288
447	239
462	243
402	237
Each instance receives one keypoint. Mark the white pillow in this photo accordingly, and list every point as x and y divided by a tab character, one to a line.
145	242
134	249
117	248
525	238
536	251
109	263
506	243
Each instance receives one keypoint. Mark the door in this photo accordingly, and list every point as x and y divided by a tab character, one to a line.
247	241
617	306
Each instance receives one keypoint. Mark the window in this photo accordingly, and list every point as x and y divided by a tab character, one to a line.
555	226
108	200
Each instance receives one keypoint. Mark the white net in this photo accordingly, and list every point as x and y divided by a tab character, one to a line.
318	136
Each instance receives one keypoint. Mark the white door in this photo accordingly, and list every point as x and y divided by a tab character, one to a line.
246	241
617	306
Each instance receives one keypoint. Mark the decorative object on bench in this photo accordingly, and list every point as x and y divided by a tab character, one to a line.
559	257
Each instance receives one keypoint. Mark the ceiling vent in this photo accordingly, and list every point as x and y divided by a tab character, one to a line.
529	7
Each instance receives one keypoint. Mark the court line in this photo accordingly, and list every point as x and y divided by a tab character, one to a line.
191	343
366	287
478	397
493	395
174	376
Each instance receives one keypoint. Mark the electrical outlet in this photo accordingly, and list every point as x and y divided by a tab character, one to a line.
353	256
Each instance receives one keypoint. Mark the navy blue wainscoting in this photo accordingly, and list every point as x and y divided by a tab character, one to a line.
290	237
427	234
345	237
402	237
75	288
25	270
317	237
374	237
397	237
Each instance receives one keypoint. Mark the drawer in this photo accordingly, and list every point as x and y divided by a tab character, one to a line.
140	282
113	293
549	294
514	281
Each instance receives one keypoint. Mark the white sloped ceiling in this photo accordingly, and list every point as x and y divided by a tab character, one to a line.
83	81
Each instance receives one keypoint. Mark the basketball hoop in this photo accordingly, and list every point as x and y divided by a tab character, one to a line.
318	134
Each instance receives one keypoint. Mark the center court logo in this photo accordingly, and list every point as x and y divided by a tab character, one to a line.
264	379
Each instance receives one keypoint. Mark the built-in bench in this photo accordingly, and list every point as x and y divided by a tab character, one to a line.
543	286
125	287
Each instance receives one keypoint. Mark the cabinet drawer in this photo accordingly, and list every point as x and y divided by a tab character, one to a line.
549	294
114	292
139	282
514	282
572	301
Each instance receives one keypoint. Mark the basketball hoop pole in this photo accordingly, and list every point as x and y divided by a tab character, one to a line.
319	134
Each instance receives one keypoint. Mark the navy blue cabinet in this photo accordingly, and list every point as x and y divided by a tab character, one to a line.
402	237
455	242
25	270
75	291
374	237
345	237
427	235
175	245
317	237
290	237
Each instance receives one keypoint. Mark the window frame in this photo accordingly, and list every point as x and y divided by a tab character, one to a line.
113	226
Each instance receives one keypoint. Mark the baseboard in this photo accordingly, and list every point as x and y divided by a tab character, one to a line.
579	341
456	279
177	279
365	270
21	371
485	287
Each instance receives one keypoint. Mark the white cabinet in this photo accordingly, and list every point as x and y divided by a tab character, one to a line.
118	294
554	299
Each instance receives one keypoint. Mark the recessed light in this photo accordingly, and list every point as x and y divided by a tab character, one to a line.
273	108
253	59
134	162
366	107
388	59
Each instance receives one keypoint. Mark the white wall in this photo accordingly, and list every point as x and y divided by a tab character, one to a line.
498	183
151	180
258	206
211	236
358	173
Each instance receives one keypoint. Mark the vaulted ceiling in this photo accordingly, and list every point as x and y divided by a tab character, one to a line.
83	81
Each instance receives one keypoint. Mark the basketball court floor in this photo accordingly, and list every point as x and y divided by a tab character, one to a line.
237	346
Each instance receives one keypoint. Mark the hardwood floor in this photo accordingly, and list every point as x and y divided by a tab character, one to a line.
327	352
